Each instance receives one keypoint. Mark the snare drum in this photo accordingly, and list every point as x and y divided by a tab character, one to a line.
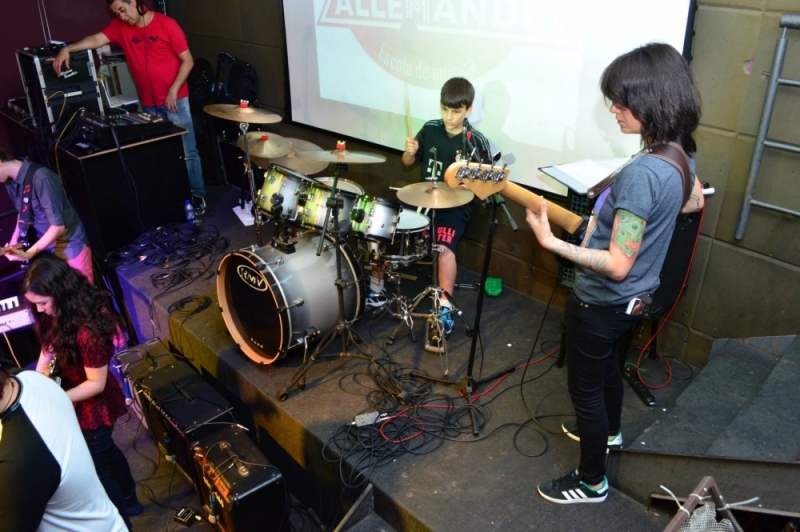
412	240
375	218
316	203
283	192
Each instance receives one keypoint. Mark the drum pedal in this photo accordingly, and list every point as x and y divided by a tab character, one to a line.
433	342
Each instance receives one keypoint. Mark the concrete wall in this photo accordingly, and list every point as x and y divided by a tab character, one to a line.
737	289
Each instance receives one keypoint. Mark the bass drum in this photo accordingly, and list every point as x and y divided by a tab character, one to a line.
269	300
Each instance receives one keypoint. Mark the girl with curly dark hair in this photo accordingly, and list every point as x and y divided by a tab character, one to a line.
76	324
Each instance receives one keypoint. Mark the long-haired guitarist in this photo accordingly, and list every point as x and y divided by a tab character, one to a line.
76	322
651	93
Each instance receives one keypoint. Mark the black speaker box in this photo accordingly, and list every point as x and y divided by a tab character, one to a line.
249	493
177	403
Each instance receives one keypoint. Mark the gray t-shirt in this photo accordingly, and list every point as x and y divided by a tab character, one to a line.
50	207
652	190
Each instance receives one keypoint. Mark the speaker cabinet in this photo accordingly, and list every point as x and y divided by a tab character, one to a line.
119	194
245	492
178	405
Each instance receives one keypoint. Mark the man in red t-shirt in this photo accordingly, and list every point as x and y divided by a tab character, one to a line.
160	61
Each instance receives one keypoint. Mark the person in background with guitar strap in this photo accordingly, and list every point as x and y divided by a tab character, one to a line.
75	322
652	94
438	144
38	195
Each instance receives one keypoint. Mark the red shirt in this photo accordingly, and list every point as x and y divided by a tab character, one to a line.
109	405
152	55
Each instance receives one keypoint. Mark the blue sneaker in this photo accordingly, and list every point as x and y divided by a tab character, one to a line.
376	299
445	319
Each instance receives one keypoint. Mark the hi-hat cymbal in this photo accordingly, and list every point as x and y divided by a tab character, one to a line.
237	113
442	197
265	145
341	157
293	162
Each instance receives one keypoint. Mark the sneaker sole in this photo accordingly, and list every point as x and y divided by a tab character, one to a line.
572	501
572	436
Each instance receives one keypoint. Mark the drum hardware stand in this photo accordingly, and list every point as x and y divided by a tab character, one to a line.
243	126
403	312
282	241
344	328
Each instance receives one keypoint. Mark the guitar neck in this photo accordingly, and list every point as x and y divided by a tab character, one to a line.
485	180
555	213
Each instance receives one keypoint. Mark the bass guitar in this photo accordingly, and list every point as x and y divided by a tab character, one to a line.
484	180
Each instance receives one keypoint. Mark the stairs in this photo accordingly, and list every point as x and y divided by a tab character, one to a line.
739	421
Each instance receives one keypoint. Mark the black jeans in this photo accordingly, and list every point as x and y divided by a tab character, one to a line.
595	379
112	468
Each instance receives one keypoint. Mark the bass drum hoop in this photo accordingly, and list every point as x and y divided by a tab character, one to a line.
278	298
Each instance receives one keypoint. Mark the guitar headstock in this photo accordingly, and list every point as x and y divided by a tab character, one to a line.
482	179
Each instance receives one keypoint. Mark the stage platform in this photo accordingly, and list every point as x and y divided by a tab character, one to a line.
467	483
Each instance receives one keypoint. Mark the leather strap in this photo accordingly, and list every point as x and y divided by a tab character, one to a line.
673	154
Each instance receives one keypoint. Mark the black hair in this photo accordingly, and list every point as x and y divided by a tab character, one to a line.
457	93
4	156
109	2
77	304
4	376
655	83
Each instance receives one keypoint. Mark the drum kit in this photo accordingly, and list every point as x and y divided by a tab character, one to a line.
307	286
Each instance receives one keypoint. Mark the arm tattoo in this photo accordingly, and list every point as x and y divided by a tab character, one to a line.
628	232
696	200
593	259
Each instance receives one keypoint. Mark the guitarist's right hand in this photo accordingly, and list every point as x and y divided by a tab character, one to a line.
8	251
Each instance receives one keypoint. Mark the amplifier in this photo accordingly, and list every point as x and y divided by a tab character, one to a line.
241	489
53	99
128	127
178	404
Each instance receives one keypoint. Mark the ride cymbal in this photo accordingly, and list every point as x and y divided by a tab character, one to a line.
265	145
441	197
293	162
237	113
341	156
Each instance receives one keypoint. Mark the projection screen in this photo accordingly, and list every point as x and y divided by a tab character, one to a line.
535	66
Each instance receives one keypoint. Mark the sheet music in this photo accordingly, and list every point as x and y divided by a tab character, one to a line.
581	175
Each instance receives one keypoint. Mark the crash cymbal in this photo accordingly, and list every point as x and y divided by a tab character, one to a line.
265	145
341	157
237	113
442	197
293	162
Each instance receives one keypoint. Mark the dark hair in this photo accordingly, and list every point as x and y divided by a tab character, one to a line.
4	156
457	93
655	83
109	2
77	304
4	376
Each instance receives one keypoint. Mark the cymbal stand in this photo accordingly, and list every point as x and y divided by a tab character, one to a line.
435	292
251	181
403	310
344	328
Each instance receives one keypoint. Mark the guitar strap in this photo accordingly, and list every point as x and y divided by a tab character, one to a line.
26	209
670	152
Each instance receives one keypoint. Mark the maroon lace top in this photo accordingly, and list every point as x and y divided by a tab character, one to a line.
109	405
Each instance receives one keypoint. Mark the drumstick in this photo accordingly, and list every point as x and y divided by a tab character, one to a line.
408	110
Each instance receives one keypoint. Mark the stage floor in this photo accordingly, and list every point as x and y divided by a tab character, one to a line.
467	482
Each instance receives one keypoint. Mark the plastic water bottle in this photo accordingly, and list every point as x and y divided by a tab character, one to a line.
190	217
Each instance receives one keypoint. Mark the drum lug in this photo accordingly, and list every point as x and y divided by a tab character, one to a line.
297	303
